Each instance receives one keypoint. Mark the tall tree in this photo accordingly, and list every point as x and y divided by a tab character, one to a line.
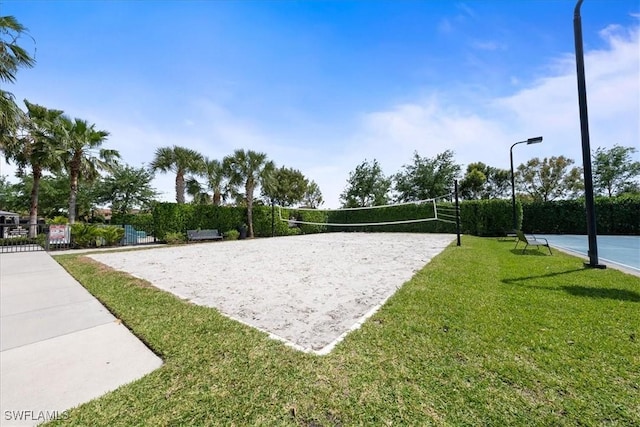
474	181
366	186
248	169
12	58
286	186
312	196
179	160
36	148
549	179
10	197
498	183
126	188
84	156
427	178
485	182
614	170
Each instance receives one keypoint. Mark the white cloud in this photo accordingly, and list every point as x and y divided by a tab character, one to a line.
481	130
547	107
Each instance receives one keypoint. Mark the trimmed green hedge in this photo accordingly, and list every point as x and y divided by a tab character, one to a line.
484	218
489	217
620	215
178	218
478	217
141	221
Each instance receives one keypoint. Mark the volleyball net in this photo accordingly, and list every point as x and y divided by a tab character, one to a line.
407	216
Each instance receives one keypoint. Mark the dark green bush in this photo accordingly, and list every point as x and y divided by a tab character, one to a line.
111	234
84	235
231	235
174	238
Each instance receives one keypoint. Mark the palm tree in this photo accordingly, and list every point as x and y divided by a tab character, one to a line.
247	168
179	160
36	148
84	156
197	192
214	175
12	58
12	118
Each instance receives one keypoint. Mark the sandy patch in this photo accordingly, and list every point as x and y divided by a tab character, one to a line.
308	291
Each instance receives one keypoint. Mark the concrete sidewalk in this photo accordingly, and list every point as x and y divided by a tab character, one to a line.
59	347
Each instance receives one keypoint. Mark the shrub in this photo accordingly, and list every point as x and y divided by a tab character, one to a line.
231	235
111	234
84	235
174	238
58	220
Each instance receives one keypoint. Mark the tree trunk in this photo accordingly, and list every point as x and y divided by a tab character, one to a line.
180	187
73	195
249	195
33	210
216	198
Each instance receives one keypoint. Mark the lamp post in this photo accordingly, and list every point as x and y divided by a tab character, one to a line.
529	141
586	148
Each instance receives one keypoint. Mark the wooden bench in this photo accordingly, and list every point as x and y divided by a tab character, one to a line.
531	241
193	235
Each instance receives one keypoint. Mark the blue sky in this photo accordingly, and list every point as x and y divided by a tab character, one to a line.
321	86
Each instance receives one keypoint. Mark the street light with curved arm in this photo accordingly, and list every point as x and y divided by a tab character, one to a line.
529	141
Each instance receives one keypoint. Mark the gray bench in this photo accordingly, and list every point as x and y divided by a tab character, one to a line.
193	235
531	241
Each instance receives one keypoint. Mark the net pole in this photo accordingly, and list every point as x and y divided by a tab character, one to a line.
273	218
457	212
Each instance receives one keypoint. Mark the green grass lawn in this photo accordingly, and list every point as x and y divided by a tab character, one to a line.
483	335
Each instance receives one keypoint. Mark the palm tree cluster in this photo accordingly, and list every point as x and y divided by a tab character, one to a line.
236	177
43	140
46	140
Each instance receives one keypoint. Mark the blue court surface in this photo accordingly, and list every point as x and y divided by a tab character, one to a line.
621	250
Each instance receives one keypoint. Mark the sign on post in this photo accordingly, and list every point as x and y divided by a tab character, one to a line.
59	234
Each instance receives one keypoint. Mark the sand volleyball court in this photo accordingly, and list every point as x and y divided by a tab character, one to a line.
308	291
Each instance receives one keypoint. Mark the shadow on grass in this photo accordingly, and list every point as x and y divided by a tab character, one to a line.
534	252
608	293
517	280
576	290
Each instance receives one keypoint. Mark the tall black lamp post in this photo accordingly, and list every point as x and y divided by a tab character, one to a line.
529	141
586	149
